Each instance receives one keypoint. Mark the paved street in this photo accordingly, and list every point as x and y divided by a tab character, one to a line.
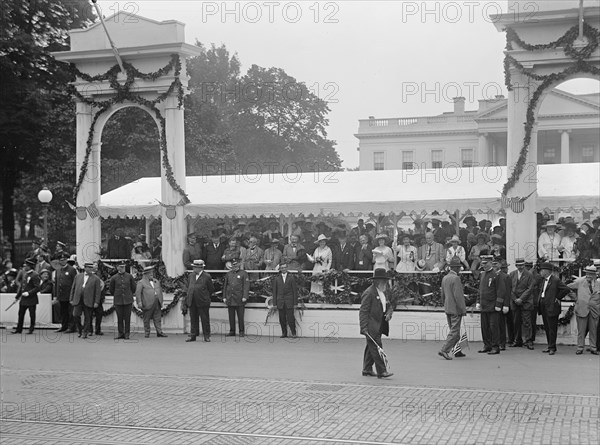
260	390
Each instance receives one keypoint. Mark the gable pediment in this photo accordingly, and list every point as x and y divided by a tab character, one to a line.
127	30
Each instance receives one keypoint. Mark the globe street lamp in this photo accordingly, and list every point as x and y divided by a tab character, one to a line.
45	196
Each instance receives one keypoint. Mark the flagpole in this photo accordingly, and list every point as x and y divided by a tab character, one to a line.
112	44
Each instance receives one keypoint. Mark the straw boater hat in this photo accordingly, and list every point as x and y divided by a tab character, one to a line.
321	238
148	269
198	263
519	262
591	270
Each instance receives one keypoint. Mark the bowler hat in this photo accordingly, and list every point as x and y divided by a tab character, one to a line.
547	266
380	274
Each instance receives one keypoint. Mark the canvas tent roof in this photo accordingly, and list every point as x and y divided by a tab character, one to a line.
561	187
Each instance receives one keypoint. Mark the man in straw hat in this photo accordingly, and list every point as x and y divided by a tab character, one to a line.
199	291
149	298
552	290
27	295
85	297
587	308
548	243
521	304
375	313
455	308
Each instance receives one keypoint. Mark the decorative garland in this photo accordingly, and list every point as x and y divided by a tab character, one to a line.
123	94
580	66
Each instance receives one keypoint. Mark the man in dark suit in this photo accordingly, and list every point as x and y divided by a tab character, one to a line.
490	300
200	289
27	294
375	313
236	287
344	255
506	322
85	297
213	251
552	291
122	286
65	275
193	251
364	254
285	299
521	304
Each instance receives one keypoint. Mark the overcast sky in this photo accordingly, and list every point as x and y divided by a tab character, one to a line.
375	58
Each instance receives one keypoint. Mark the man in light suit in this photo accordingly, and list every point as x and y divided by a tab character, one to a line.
374	315
432	253
521	304
290	253
587	308
285	299
552	291
199	291
85	297
28	296
149	298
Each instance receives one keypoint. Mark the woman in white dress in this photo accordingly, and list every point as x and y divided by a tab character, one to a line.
407	255
456	250
322	258
383	256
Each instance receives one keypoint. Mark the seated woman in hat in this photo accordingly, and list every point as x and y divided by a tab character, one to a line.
476	251
322	258
383	256
407	255
138	254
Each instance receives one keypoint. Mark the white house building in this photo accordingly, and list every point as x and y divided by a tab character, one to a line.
568	132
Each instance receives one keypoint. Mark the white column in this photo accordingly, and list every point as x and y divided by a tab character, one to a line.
484	149
173	230
87	229
521	239
564	146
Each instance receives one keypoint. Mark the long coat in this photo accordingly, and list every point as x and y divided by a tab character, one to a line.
91	293
453	294
491	291
64	282
122	287
199	291
556	290
522	289
212	256
371	315
31	284
285	293
236	286
146	295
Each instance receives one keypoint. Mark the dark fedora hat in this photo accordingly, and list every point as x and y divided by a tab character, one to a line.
547	266
30	262
380	274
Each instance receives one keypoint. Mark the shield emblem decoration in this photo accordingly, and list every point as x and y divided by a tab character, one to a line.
171	212
81	212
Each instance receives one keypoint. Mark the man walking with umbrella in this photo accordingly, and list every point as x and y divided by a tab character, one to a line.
375	313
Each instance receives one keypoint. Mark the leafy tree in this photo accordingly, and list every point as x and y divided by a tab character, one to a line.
30	80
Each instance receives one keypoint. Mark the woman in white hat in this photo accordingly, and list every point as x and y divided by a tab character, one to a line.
456	250
548	243
322	258
138	253
407	255
383	256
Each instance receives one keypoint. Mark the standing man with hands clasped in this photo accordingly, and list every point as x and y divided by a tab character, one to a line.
375	313
149	298
85	297
552	290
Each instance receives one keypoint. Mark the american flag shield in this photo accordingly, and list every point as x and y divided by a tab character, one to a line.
462	342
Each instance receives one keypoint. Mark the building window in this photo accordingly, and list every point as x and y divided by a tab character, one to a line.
407	160
466	157
587	154
549	155
436	158
378	160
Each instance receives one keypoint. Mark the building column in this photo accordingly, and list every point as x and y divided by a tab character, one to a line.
484	149
521	236
173	226
87	229
564	146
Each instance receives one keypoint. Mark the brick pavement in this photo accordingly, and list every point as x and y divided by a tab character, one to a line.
103	399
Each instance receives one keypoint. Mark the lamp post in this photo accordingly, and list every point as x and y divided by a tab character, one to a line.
45	196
